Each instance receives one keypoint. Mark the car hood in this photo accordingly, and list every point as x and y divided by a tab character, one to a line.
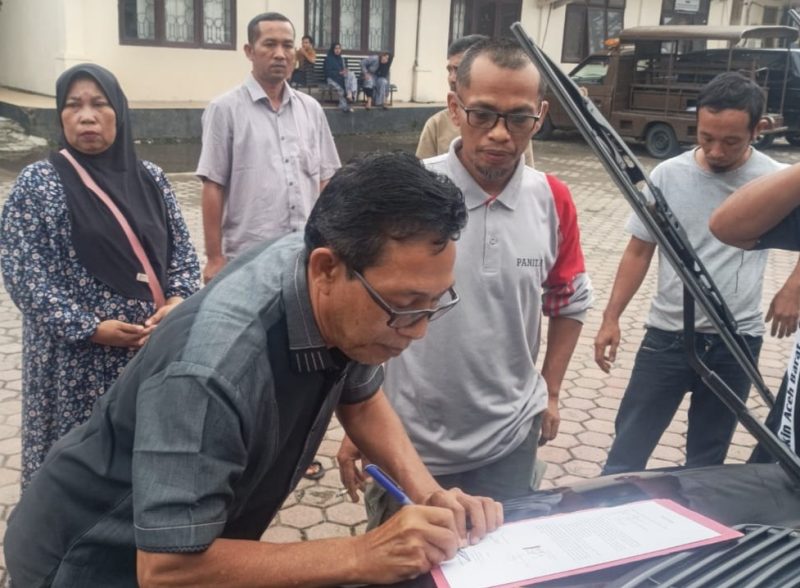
729	494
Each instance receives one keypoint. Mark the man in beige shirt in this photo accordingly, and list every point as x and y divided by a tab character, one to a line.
439	130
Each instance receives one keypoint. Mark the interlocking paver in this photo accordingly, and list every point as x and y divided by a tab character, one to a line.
600	426
282	534
301	516
590	397
9	493
591	454
325	530
579	403
320	495
552	454
347	513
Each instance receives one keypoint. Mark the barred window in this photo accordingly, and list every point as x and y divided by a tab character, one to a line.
207	24
492	18
588	24
359	26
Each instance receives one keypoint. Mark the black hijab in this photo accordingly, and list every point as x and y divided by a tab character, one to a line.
98	239
338	59
383	68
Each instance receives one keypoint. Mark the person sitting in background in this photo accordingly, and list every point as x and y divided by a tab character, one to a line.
67	264
339	78
304	59
375	76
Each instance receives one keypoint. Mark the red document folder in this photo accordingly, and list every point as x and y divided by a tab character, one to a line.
548	548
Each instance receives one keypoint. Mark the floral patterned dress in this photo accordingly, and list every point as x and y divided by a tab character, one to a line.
62	304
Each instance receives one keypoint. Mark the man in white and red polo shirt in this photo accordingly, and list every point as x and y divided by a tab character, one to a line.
470	396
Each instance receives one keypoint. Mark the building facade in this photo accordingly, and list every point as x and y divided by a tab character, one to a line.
191	50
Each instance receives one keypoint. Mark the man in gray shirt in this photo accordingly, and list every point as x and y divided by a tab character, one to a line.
694	183
471	397
267	151
187	458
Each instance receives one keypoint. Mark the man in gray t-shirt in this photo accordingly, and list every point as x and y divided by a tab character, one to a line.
190	454
694	184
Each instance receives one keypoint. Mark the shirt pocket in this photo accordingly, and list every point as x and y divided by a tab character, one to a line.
310	161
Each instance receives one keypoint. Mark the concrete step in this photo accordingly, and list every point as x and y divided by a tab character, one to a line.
14	140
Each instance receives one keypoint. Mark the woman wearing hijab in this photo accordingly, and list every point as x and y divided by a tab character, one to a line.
88	301
375	73
340	80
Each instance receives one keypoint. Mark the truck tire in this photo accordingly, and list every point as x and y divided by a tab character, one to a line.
764	141
545	132
793	139
660	141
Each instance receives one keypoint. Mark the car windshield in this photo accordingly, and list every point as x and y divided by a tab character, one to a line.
591	72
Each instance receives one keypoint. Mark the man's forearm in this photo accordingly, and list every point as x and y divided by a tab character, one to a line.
756	207
249	564
562	337
377	431
631	273
212	204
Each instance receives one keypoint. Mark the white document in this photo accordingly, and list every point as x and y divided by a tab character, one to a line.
556	546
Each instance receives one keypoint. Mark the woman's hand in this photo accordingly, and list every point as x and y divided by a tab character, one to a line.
120	334
159	315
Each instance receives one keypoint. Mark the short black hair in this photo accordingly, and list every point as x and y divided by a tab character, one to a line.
732	90
382	197
463	43
253	30
309	37
504	53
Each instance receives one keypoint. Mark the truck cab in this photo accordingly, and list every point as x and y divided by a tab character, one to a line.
647	82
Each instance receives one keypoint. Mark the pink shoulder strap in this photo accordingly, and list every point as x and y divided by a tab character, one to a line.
152	280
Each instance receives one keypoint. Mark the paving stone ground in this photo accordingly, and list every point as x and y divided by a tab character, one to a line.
589	397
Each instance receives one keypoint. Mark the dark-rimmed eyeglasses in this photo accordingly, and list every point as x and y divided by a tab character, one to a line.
516	123
400	319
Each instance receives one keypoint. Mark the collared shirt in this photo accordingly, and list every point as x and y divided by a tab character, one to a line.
468	392
439	132
203	436
270	162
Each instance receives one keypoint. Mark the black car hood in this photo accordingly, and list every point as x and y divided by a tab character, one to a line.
758	494
730	494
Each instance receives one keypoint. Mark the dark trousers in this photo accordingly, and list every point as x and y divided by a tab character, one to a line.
773	422
506	478
661	376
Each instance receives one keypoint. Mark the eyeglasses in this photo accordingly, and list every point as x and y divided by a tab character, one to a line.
516	123
400	319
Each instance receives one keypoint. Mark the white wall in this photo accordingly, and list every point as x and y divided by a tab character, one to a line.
169	73
544	25
41	38
642	13
35	50
427	81
31	42
545	21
